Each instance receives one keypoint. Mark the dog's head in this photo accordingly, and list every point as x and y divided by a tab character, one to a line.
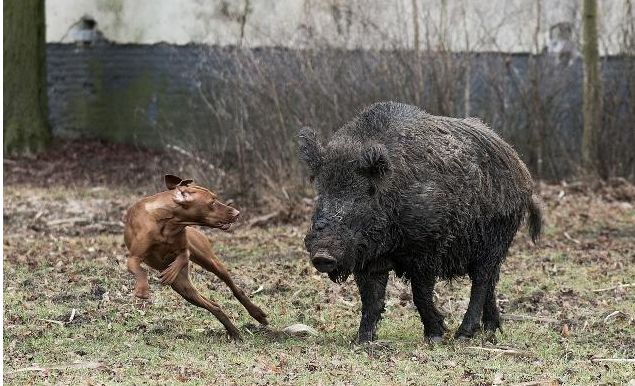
198	205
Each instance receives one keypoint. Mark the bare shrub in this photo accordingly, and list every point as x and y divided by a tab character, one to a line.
254	100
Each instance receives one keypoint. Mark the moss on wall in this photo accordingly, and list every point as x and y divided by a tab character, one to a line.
123	113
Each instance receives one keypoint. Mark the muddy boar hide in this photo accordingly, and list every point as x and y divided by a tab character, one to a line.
425	196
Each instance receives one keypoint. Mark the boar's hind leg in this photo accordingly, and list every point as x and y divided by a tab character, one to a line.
372	290
422	290
491	316
472	318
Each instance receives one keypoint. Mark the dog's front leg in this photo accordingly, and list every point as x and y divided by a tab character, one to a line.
168	275
141	287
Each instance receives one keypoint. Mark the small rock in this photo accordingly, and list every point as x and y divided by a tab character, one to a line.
300	329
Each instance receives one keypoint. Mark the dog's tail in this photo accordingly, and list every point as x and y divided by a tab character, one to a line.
535	218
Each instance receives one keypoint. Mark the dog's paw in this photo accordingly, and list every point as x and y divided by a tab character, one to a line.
234	336
260	316
142	291
142	304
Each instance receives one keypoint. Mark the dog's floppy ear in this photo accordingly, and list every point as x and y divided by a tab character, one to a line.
181	196
172	181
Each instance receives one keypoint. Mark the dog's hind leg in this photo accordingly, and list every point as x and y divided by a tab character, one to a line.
202	254
184	287
211	263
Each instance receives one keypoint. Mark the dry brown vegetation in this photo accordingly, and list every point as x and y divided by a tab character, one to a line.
568	305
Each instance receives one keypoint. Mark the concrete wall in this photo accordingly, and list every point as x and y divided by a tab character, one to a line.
200	96
485	25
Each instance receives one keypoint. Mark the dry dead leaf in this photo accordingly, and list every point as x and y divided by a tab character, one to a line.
565	332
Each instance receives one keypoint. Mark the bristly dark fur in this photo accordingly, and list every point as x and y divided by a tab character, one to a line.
426	196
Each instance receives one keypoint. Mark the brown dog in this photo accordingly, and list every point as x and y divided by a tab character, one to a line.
157	234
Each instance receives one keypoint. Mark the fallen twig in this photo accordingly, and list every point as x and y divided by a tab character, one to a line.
614	287
571	238
197	158
75	365
613	315
530	318
542	382
52	321
616	360
505	351
70	220
264	219
258	290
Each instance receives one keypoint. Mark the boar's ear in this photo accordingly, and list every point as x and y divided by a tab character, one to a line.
171	181
374	163
310	149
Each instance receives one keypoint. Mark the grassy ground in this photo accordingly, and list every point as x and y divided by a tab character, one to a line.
69	317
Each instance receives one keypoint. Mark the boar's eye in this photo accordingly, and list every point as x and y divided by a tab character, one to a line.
374	163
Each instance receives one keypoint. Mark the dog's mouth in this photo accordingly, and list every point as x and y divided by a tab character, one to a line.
224	227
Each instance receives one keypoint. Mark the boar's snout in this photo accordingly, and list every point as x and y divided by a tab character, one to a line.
323	261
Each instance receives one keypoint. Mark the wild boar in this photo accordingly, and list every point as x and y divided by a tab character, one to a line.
425	196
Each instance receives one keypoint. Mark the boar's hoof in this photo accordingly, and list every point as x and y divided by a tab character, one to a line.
435	339
466	330
492	325
366	337
463	335
490	336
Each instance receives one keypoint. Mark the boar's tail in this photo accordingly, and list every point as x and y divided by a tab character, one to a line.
535	218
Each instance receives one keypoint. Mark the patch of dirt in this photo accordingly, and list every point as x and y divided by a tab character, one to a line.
95	166
88	163
569	297
67	213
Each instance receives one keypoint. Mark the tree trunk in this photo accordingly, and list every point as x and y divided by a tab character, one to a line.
415	24
25	121
418	67
592	94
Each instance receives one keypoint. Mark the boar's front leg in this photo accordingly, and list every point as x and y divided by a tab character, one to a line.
422	291
372	290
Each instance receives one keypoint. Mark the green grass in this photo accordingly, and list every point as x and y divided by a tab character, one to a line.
49	273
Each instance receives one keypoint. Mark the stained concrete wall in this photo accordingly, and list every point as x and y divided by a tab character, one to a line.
157	94
461	25
148	82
